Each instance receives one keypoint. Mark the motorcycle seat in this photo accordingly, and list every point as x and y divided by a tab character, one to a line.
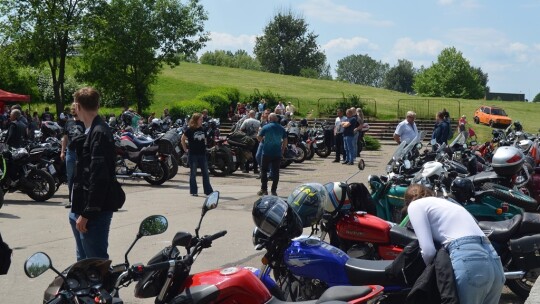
365	272
502	231
401	236
530	223
136	156
485	177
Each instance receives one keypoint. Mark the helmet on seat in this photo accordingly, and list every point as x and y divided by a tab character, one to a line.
307	201
271	213
336	193
462	189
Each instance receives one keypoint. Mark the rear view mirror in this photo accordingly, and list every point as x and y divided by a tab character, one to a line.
37	264
211	201
152	225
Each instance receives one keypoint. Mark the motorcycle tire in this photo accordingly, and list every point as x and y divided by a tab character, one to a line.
311	153
173	168
221	165
521	287
323	151
285	163
510	196
44	186
302	154
162	177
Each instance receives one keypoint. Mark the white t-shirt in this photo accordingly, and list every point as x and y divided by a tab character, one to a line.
406	132
442	221
338	128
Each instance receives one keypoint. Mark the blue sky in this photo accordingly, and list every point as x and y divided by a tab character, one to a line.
501	37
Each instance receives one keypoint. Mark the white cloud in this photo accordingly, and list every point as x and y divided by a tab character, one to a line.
348	44
226	41
329	12
410	49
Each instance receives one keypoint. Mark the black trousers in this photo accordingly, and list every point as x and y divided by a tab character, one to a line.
338	142
274	163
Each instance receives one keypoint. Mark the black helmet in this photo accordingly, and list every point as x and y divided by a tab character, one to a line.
303	122
271	213
127	117
462	189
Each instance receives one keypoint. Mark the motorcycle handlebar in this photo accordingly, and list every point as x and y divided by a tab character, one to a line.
216	235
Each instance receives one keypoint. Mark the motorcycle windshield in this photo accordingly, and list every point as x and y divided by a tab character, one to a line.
413	143
395	157
459	140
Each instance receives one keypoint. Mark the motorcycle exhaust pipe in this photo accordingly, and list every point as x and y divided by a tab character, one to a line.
514	275
141	174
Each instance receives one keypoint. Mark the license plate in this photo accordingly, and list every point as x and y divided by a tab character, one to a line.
177	149
52	170
234	159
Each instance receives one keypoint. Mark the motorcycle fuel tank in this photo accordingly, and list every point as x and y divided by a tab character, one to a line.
233	284
395	195
363	227
312	258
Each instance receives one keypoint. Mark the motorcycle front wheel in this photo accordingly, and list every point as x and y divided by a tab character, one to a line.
220	166
323	151
43	186
159	178
302	154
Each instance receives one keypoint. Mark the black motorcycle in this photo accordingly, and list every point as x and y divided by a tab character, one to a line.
17	173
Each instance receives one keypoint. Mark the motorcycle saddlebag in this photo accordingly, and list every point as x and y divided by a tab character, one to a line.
526	252
168	142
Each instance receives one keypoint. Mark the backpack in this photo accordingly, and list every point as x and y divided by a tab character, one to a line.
239	138
5	256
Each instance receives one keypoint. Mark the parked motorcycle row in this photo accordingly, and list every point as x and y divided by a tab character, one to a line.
365	227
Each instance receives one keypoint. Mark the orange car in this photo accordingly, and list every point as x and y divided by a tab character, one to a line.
492	116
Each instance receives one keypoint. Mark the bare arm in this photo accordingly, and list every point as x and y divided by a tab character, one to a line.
397	138
64	145
184	143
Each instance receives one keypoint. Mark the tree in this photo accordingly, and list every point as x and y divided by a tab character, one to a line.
451	76
286	47
400	77
45	31
361	69
240	59
128	42
536	98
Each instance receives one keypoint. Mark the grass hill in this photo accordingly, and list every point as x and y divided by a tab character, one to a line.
187	80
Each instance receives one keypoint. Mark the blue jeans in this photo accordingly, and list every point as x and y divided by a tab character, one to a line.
349	149
94	243
259	156
478	270
201	162
71	160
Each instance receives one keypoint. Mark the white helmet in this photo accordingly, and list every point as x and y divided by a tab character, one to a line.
335	194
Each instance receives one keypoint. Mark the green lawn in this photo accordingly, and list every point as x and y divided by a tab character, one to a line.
187	80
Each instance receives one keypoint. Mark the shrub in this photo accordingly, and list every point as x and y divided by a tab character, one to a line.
184	108
220	99
372	144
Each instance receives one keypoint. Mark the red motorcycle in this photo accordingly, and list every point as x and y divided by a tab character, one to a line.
167	275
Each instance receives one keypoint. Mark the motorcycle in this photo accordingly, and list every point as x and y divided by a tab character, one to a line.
147	163
39	185
304	266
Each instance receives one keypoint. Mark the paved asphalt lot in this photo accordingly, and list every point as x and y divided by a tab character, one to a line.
28	226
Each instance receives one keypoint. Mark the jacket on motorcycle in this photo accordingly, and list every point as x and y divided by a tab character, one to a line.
16	133
94	171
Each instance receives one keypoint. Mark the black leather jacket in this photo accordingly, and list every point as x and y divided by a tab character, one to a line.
16	133
94	171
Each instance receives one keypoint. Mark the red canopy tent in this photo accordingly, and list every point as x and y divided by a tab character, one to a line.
7	96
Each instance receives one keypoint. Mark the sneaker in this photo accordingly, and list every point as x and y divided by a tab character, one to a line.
274	193
351	163
194	194
345	163
67	206
335	161
262	192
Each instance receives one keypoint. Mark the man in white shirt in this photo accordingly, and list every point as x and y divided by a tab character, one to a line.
251	127
338	135
406	130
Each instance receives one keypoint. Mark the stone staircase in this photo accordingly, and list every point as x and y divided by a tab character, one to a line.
380	129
